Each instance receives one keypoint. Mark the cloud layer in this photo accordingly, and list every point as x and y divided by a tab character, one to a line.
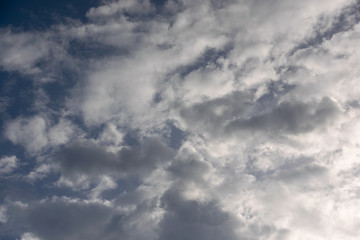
183	120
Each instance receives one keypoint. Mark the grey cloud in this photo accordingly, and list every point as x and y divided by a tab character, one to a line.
297	171
189	168
68	220
214	115
292	118
300	175
211	115
248	66
220	4
190	219
88	158
74	219
275	90
60	219
174	135
354	104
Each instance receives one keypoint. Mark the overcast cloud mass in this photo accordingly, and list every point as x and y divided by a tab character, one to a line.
180	120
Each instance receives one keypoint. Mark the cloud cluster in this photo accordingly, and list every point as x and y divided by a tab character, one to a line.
183	119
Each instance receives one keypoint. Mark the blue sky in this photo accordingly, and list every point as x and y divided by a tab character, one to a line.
177	119
39	14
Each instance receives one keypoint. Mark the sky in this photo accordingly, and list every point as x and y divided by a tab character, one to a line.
180	119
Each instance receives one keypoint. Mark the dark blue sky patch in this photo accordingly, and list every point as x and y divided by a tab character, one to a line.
16	190
20	92
88	49
177	137
40	14
131	138
158	3
60	89
159	12
10	237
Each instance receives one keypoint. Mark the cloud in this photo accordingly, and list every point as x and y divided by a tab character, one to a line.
20	53
29	236
189	219
91	159
8	164
212	114
183	119
35	134
327	26
59	218
28	132
3	217
290	118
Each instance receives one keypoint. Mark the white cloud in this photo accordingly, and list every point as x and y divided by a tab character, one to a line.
106	183
20	52
29	236
29	132
61	133
35	134
8	164
3	214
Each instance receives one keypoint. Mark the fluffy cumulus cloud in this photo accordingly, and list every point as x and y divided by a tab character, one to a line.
180	119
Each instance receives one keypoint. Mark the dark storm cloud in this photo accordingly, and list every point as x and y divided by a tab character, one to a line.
88	158
343	22
190	219
292	118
